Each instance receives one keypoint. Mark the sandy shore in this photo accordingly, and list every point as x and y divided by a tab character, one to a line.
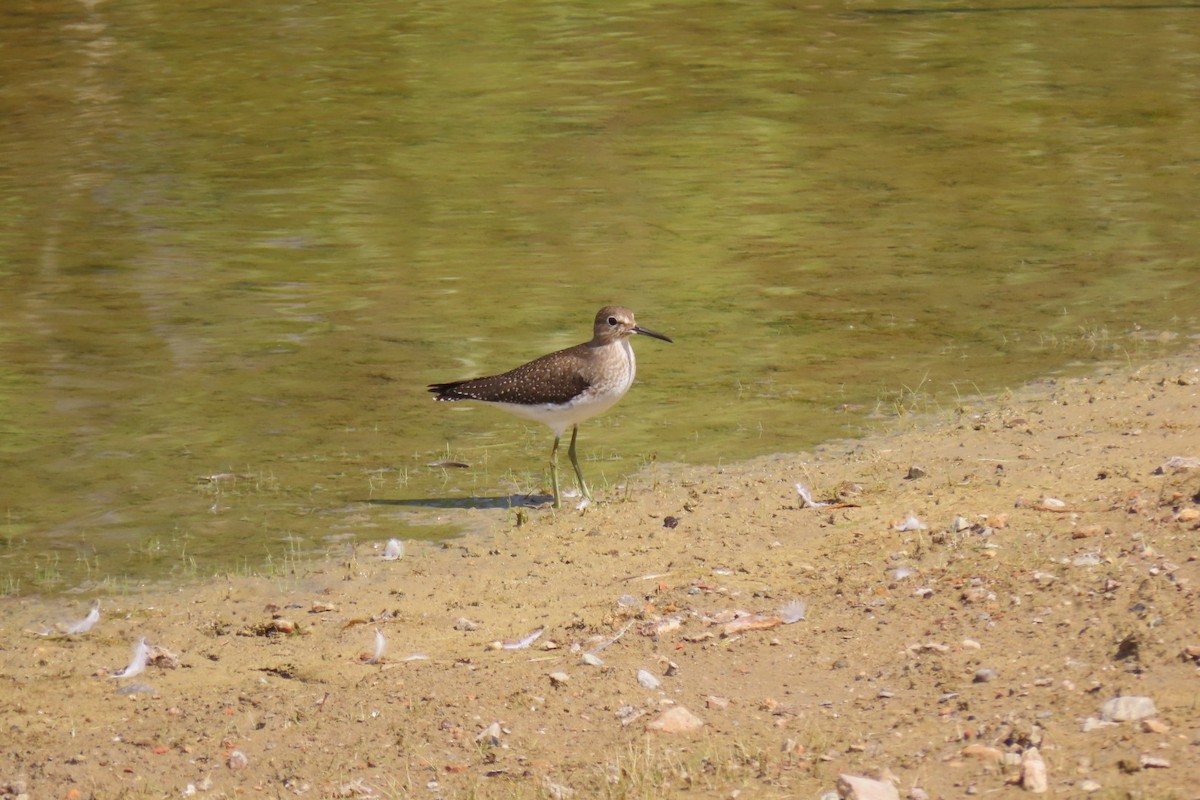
1050	564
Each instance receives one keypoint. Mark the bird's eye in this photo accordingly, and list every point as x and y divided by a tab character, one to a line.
612	321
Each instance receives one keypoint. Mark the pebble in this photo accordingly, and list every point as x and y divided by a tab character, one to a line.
1126	708
1091	724
975	595
1033	772
675	720
591	660
1154	762
985	675
648	680
854	787
559	678
1089	786
557	791
627	713
659	627
1178	464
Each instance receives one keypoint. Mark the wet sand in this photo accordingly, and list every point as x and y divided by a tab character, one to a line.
983	582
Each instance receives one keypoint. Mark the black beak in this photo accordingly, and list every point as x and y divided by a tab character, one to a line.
652	334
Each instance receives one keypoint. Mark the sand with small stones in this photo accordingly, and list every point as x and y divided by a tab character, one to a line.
1058	570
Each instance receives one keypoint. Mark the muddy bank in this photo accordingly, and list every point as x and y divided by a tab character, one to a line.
978	589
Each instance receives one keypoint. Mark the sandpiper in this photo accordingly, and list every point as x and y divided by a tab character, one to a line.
566	387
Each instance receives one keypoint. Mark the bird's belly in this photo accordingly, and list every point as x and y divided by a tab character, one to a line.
560	416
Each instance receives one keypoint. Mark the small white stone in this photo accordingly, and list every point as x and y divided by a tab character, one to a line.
1091	724
648	680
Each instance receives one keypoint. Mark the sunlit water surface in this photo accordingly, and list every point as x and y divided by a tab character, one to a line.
237	240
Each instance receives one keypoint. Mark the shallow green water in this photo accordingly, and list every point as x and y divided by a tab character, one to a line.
238	241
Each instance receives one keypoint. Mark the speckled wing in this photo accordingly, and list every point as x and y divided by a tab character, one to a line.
553	378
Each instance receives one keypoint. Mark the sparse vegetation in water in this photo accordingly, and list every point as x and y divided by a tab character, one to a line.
47	572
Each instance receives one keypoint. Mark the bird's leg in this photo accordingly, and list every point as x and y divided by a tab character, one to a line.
554	469
575	462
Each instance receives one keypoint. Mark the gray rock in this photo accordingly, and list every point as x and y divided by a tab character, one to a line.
985	675
1126	708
